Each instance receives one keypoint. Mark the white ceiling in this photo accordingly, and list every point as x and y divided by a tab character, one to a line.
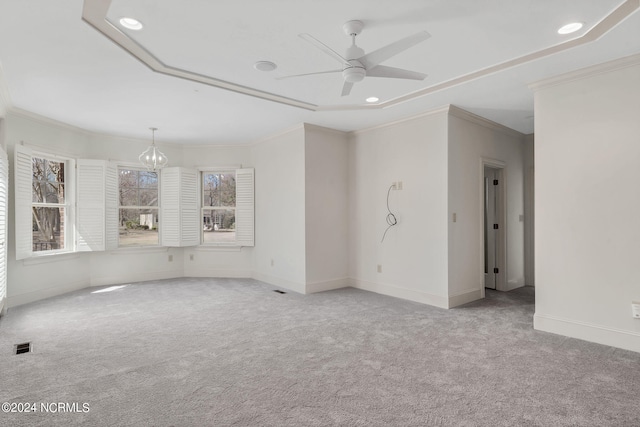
481	56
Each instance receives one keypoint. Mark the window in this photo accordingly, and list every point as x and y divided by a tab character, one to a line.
138	207
49	205
219	207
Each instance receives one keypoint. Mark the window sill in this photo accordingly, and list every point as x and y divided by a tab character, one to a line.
43	258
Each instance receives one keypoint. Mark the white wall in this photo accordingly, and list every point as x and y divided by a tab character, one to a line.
587	227
326	209
33	279
30	280
414	254
472	139
279	252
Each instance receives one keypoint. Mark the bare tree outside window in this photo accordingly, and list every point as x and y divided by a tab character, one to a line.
218	207
48	204
138	202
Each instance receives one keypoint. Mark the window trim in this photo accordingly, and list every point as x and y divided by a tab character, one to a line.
201	207
23	200
241	206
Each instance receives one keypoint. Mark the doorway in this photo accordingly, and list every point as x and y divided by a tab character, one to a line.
494	226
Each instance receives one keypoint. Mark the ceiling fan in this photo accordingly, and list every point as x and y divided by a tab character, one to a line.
356	65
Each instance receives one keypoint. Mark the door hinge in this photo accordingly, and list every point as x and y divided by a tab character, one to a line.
495	226
496	270
495	182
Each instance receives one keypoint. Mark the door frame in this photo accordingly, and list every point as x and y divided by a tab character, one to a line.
501	213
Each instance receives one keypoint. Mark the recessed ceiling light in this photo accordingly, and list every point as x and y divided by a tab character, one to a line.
372	99
130	23
265	66
570	28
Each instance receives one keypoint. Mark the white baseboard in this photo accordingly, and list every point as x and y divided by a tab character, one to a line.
464	297
627	340
329	285
201	272
27	297
136	277
281	283
408	294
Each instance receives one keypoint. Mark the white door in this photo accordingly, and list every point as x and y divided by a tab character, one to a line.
491	227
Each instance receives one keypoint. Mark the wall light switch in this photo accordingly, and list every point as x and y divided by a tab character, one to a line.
191	257
170	258
379	268
455	217
635	308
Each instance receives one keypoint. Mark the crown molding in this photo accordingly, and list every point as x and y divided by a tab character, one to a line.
286	131
311	127
583	73
435	111
94	12
479	120
25	114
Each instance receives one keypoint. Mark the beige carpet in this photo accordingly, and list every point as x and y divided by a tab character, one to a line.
231	352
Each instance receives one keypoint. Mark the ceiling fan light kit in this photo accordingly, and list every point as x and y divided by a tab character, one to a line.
356	65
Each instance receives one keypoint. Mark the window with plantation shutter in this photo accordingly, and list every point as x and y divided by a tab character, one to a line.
44	203
245	207
227	207
179	200
91	206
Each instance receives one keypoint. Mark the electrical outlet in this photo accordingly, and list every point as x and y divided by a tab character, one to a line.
399	185
191	257
379	268
170	258
272	262
394	185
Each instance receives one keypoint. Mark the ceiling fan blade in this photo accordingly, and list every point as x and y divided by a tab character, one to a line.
346	89
323	47
395	73
308	74
372	59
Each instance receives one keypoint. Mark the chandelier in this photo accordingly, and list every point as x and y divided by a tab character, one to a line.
152	158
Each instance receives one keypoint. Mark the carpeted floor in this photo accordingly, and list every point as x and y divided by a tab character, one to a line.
231	352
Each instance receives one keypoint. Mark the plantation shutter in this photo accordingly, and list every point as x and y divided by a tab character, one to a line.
245	207
179	214
4	194
91	202
23	175
111	203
